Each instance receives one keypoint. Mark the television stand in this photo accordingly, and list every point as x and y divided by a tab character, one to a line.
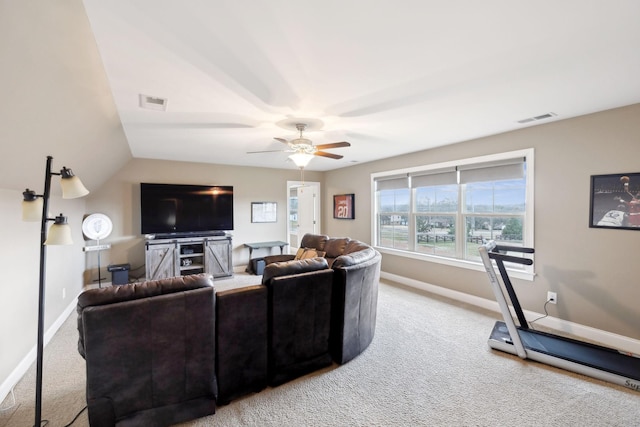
181	256
169	236
215	233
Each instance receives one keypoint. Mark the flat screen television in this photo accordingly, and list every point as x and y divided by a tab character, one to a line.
182	210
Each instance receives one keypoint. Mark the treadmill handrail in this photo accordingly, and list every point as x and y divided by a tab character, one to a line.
502	301
511	258
500	258
521	249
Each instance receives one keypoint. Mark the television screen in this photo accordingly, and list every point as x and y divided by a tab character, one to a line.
178	209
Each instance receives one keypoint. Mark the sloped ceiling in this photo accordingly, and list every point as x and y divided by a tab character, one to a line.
55	97
390	77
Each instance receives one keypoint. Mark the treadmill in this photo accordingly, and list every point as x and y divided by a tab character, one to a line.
595	361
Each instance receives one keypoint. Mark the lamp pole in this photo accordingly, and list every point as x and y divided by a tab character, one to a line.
61	235
41	291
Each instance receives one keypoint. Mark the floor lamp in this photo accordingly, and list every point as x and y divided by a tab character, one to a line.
35	208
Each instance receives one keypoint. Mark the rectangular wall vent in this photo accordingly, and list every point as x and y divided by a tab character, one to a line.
153	102
536	118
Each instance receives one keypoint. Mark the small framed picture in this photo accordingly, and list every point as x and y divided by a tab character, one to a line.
344	206
264	211
615	201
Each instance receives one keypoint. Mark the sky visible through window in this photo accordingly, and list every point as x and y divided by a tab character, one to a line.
495	196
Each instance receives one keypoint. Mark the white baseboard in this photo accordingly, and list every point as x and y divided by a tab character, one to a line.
619	342
19	371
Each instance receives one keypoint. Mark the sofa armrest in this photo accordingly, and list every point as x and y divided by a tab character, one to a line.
354	258
293	267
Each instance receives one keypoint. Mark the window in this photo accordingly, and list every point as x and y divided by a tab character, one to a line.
392	211
444	212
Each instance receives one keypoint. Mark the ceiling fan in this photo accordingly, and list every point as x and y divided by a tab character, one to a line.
302	145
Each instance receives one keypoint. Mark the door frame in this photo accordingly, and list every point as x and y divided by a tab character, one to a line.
317	208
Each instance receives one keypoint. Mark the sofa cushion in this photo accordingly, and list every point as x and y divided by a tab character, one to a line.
335	247
287	268
315	241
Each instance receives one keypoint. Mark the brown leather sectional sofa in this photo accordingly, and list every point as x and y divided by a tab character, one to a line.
162	352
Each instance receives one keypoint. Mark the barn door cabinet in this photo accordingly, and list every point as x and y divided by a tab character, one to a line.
183	256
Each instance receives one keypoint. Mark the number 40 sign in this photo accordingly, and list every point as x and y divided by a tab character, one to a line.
343	206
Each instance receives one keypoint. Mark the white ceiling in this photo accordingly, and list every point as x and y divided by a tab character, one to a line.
390	77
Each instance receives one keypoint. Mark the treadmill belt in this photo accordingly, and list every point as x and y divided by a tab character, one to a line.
595	356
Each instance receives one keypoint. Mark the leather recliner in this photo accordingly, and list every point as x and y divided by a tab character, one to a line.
299	317
356	268
150	351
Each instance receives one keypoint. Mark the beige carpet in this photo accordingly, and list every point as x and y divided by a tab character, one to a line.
428	365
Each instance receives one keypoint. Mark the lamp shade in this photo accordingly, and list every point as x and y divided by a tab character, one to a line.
72	187
59	232
31	206
301	159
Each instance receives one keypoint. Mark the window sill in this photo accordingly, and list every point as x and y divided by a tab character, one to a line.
469	265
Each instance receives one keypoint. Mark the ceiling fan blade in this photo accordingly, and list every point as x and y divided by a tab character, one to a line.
329	155
333	145
284	141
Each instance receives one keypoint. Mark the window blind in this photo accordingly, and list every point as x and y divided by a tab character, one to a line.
392	182
492	171
436	177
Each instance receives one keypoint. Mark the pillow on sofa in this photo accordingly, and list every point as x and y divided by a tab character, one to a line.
306	253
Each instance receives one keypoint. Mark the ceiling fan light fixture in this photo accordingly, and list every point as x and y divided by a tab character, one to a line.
301	141
301	159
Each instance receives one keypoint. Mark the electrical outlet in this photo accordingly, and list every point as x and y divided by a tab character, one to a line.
64	293
552	297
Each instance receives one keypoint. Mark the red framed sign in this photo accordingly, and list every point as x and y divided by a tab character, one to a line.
344	206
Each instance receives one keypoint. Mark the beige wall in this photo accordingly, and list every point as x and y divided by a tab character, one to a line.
595	272
19	270
119	198
56	101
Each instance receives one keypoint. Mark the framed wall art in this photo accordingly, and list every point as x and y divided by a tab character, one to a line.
264	211
344	206
615	201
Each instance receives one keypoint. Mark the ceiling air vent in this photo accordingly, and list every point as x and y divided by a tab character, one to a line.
536	118
153	103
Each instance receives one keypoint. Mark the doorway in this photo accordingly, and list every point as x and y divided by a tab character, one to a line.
303	210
